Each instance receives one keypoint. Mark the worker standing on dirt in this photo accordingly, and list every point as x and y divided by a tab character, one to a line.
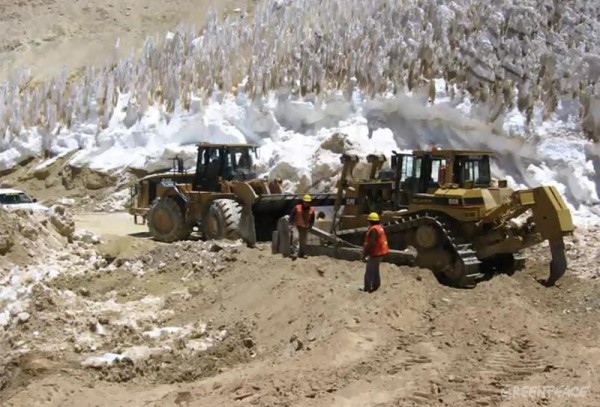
303	218
375	248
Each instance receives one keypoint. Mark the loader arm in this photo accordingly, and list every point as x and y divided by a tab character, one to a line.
348	164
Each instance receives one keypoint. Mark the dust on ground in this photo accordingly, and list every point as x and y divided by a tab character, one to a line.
215	323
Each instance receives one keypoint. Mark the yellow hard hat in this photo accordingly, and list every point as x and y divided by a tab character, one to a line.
373	217
306	198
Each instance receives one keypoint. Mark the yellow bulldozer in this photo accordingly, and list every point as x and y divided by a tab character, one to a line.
444	204
223	198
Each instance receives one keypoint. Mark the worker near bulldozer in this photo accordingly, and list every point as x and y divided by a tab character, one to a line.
374	249
302	218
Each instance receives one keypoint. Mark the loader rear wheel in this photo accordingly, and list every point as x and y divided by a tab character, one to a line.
166	222
223	220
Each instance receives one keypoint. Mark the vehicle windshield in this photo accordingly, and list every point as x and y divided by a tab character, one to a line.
474	168
242	160
15	198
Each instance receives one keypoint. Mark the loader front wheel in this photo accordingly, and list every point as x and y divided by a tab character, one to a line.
166	222
223	220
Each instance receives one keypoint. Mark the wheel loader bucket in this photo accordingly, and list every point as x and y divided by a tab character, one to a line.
268	209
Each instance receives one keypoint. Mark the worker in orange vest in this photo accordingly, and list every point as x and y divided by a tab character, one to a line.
375	248
303	218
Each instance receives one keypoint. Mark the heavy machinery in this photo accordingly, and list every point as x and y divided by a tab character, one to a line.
446	206
223	197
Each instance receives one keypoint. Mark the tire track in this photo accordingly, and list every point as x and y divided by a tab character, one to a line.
506	364
479	382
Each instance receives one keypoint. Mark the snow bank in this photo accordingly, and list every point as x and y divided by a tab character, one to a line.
292	135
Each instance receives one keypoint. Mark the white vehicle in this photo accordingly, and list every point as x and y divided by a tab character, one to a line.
15	199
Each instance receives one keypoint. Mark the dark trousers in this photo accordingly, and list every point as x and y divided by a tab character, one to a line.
372	277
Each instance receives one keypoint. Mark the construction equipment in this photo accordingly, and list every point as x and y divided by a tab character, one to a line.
445	205
223	197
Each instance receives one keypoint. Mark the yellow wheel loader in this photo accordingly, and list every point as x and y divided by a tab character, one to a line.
223	198
444	204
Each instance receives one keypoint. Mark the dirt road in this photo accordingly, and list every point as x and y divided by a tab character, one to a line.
300	334
116	224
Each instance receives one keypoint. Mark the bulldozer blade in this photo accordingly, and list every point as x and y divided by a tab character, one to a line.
558	265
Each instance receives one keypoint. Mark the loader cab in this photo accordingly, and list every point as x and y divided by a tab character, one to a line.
227	162
423	172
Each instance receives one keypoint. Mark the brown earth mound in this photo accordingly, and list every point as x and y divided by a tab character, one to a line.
301	333
26	236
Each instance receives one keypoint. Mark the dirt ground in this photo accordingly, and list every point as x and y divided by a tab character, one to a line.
301	333
45	35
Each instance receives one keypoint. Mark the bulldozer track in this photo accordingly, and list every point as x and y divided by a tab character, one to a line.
507	365
461	250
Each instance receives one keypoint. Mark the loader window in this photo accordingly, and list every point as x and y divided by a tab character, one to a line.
243	160
214	166
203	159
228	165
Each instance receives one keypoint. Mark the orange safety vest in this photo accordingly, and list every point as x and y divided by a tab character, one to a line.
302	217
381	247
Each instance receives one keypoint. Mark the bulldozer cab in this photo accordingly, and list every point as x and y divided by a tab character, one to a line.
423	172
227	162
472	171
